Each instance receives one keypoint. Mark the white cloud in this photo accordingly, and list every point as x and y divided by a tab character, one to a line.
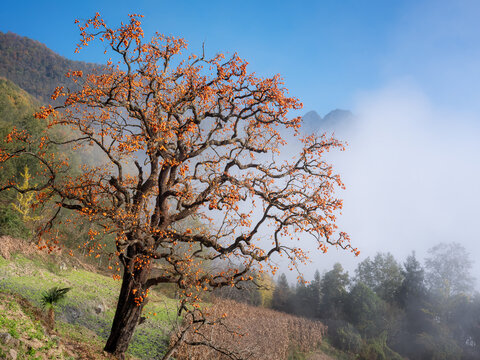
412	173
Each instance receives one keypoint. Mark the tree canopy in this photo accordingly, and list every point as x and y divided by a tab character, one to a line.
180	140
449	270
382	274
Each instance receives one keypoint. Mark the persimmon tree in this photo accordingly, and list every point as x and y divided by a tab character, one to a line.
181	138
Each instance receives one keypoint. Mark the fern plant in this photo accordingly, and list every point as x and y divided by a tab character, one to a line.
50	299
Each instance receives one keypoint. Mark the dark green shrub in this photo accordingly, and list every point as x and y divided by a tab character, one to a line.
372	350
345	338
377	349
11	224
295	354
439	346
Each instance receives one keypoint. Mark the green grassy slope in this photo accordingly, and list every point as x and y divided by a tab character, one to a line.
87	313
24	336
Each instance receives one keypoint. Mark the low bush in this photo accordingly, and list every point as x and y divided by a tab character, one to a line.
345	338
377	349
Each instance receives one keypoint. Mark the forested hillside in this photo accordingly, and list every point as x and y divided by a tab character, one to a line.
34	67
387	309
16	105
16	110
390	310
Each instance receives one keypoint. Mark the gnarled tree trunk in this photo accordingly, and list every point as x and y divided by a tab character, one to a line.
129	308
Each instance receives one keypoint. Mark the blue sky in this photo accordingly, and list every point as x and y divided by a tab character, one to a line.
327	51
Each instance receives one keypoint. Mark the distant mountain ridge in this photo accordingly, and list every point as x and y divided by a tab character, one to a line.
334	120
34	67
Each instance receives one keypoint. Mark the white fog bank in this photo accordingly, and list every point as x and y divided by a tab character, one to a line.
412	172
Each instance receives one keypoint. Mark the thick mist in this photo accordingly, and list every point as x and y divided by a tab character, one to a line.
412	173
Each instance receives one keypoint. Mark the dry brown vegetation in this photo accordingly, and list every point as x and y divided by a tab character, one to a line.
249	332
10	246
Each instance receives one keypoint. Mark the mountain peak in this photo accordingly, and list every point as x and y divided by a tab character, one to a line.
312	117
338	115
334	120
